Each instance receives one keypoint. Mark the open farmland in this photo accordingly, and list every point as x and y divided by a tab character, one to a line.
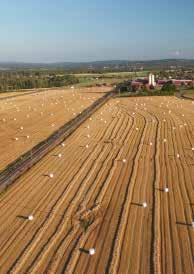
110	78
28	119
128	153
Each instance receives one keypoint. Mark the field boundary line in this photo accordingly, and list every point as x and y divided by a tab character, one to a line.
183	96
25	92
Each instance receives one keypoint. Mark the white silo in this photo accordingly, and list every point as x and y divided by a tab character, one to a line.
152	80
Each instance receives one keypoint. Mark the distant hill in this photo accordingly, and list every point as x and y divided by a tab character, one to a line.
109	64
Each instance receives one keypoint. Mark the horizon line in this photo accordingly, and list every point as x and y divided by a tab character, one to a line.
94	61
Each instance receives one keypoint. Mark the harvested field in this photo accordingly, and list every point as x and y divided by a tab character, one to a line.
28	119
129	152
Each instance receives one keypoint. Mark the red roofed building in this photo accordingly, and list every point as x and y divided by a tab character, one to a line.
182	82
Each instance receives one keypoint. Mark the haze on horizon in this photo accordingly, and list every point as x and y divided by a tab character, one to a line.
74	31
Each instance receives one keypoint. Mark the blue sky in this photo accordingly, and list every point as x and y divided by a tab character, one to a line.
85	30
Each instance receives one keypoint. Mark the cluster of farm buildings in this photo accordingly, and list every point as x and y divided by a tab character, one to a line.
152	82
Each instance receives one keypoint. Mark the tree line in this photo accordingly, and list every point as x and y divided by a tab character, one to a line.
16	80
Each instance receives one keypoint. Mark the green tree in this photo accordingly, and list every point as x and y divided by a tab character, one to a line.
169	87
